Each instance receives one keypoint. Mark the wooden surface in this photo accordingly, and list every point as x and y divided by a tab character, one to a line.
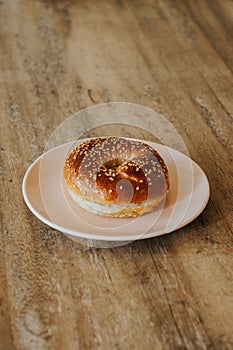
170	292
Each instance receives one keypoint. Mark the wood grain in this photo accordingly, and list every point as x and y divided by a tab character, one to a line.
170	292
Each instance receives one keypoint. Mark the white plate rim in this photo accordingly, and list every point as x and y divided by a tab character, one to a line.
90	236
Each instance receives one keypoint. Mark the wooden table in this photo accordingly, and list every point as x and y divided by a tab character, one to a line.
170	292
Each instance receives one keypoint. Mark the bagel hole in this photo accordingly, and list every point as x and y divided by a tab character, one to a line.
113	163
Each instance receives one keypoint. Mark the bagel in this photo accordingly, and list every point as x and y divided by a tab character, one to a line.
116	177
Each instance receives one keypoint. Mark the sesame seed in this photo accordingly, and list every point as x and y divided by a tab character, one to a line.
121	187
137	188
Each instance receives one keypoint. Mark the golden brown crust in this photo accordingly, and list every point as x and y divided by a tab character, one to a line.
116	170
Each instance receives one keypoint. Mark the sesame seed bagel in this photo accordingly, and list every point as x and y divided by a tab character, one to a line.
116	177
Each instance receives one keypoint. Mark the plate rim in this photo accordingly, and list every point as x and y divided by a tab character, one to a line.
99	237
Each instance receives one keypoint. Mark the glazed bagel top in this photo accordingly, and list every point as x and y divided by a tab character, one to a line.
116	170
